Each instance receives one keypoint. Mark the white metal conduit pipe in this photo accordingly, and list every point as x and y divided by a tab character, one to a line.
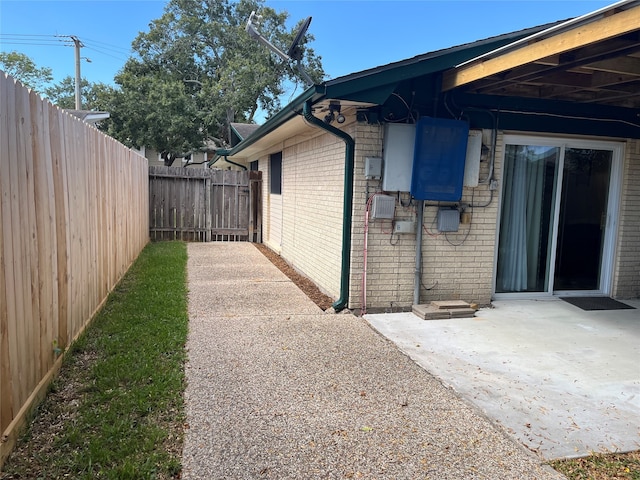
418	268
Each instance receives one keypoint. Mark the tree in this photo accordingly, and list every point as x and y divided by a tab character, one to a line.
155	112
94	96
23	69
197	70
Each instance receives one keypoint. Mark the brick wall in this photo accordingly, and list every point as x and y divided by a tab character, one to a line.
312	191
455	265
268	238
627	267
304	224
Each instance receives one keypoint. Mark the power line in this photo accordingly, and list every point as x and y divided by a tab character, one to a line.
105	53
32	44
24	35
38	40
21	39
58	37
107	46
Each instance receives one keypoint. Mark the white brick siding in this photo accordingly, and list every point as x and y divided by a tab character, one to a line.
455	265
312	190
627	267
304	224
271	209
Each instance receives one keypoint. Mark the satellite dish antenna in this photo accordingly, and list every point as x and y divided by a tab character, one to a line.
294	52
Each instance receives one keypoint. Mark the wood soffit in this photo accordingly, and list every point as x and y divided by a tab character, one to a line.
597	63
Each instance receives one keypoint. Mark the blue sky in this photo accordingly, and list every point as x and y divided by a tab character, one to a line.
350	35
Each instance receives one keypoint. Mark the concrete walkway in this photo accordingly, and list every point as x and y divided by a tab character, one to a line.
563	381
278	389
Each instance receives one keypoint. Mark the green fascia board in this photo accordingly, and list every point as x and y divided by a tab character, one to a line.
236	133
376	94
421	65
388	79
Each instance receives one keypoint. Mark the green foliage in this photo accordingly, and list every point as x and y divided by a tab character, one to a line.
197	70
194	72
23	69
94	96
155	111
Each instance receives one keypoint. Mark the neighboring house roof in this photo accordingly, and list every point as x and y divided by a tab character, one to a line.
243	130
240	131
552	61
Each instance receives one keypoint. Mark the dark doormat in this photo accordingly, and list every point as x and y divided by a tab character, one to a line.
596	303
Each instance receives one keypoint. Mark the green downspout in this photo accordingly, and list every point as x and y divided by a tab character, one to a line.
349	156
221	152
226	159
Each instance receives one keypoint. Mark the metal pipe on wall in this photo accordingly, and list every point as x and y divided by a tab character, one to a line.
418	270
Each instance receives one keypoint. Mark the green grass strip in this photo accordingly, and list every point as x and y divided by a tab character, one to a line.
116	411
601	466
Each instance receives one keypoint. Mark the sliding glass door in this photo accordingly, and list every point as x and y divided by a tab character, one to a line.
583	218
555	232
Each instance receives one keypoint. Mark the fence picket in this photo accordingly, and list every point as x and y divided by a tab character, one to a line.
73	217
204	205
7	288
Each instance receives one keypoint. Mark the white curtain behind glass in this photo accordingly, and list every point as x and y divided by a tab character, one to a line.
520	225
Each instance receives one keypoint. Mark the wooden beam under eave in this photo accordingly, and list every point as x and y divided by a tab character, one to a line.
599	30
625	66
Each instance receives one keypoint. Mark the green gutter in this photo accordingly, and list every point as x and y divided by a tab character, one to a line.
349	156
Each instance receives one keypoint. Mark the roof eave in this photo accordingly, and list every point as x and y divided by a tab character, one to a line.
314	93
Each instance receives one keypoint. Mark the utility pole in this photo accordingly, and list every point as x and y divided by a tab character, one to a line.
78	44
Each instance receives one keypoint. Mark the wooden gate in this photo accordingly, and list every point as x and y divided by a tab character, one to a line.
204	205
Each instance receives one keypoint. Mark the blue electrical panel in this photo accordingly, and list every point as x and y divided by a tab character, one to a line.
438	159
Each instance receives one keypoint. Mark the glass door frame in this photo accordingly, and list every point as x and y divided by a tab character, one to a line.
613	206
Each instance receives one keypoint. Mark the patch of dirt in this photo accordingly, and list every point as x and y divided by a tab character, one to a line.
303	283
38	443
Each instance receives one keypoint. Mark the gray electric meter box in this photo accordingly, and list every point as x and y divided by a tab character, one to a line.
372	168
397	154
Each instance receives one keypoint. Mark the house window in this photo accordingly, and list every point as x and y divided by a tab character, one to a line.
253	166
275	173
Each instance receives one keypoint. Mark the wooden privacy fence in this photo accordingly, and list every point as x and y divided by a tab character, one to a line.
204	205
73	219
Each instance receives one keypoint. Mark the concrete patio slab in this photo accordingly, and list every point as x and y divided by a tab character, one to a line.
564	382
